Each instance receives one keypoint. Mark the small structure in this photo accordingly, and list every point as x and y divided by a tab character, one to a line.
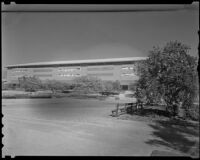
125	104
122	108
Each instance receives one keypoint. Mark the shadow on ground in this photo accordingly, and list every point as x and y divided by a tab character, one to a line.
152	112
176	134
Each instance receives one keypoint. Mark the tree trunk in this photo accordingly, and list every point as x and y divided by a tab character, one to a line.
167	108
175	110
181	113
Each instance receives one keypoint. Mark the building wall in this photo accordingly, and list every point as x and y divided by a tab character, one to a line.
125	73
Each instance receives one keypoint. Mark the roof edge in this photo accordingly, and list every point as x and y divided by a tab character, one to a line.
80	61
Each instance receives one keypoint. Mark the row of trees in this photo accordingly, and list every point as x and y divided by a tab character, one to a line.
34	83
88	84
83	84
169	76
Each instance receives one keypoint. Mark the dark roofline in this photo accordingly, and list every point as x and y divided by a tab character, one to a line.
76	64
126	60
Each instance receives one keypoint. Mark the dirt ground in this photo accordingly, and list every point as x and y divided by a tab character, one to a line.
73	127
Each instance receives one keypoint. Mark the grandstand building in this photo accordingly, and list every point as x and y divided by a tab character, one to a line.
121	69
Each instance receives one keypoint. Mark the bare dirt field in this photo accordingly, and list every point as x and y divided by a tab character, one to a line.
74	127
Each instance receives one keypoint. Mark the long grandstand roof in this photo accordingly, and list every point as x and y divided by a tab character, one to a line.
90	61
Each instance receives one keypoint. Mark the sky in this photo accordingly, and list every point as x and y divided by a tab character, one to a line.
40	37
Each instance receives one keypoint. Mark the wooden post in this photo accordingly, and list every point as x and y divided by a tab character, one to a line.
132	108
117	108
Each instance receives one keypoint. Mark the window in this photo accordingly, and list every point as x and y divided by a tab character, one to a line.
101	74
69	75
77	75
18	75
69	69
127	68
42	70
100	68
127	74
124	87
43	75
19	71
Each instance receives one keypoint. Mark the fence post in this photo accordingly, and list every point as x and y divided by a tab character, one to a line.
132	105
125	106
117	108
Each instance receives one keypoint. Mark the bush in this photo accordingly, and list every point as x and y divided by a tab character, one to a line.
87	84
110	86
55	85
133	86
8	86
30	84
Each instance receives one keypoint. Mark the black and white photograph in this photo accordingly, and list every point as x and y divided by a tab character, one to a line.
100	80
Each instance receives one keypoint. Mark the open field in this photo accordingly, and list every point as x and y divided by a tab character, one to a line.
67	126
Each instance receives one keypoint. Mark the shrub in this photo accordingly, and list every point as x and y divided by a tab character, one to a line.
8	86
87	84
30	84
55	85
110	86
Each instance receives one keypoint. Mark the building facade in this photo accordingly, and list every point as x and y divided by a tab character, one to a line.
122	69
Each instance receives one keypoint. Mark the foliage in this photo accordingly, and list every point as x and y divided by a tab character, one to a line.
116	85
88	84
8	86
55	85
133	86
193	112
34	83
169	74
110	86
30	83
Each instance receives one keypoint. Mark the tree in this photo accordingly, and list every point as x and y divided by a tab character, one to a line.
169	74
88	84
116	86
30	83
110	86
54	85
34	83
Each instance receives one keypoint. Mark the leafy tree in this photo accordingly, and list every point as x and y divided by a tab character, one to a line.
34	83
54	85
8	86
110	86
116	85
30	83
88	84
107	86
169	74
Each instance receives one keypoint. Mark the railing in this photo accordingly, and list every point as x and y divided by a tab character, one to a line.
122	108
